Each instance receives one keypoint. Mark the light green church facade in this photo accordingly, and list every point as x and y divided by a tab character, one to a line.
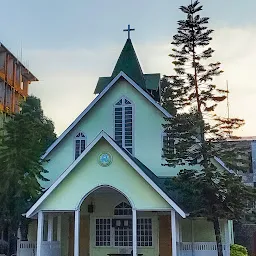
106	192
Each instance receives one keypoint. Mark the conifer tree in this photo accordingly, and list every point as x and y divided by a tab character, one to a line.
200	136
24	139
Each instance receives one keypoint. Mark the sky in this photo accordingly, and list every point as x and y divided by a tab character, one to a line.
69	44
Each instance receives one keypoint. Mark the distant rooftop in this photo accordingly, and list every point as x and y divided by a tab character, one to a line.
246	138
26	71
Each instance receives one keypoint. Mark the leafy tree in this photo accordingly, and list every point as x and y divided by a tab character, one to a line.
199	134
24	139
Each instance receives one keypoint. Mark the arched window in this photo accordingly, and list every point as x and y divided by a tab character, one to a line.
80	144
124	124
123	209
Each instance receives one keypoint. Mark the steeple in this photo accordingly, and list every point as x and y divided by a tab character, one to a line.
129	64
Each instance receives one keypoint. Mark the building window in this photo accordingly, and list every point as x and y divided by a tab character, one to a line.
80	143
123	225
124	124
168	143
144	232
103	229
123	209
123	228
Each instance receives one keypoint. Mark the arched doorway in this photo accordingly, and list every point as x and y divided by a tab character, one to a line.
109	225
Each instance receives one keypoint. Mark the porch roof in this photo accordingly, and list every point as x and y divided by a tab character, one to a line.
139	167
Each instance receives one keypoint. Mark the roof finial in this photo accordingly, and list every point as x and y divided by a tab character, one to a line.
129	30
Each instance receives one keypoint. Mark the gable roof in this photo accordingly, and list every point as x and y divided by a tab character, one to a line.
128	63
90	106
144	172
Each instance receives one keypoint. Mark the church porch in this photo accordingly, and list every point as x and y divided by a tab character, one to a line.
105	225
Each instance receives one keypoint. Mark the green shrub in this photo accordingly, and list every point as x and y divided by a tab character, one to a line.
238	250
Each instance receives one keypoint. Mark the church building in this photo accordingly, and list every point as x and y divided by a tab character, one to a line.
106	194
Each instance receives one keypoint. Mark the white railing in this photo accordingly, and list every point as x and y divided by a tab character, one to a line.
199	249
50	248
28	248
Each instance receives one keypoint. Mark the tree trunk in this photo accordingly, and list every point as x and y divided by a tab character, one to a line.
216	225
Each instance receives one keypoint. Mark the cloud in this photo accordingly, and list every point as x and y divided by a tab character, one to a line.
68	76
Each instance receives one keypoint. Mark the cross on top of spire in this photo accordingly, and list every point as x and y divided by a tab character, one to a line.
129	30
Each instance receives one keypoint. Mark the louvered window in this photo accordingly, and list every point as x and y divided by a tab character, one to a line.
80	144
124	124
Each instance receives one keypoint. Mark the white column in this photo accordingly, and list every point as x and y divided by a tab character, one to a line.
134	232
77	233
192	237
40	229
179	236
59	228
50	228
174	234
227	238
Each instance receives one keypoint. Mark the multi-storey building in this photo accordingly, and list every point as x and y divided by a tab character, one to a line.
14	82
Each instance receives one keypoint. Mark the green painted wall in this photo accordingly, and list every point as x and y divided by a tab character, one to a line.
203	230
88	174
32	230
147	138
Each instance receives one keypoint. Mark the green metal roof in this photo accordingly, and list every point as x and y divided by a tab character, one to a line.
102	83
129	64
152	81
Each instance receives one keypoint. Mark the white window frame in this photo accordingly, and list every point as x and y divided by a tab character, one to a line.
112	232
123	98
122	216
152	237
75	138
95	232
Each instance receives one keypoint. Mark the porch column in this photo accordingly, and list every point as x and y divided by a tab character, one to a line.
59	228
40	229
50	228
174	234
227	238
77	232
134	232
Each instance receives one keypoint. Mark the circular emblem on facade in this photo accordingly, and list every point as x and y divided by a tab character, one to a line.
105	159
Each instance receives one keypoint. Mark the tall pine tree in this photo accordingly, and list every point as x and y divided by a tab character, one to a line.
200	136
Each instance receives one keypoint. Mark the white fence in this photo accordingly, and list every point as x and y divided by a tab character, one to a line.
28	248
200	249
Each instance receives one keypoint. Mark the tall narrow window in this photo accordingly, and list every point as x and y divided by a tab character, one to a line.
124	124
80	141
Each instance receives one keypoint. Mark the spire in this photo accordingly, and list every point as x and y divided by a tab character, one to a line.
129	64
